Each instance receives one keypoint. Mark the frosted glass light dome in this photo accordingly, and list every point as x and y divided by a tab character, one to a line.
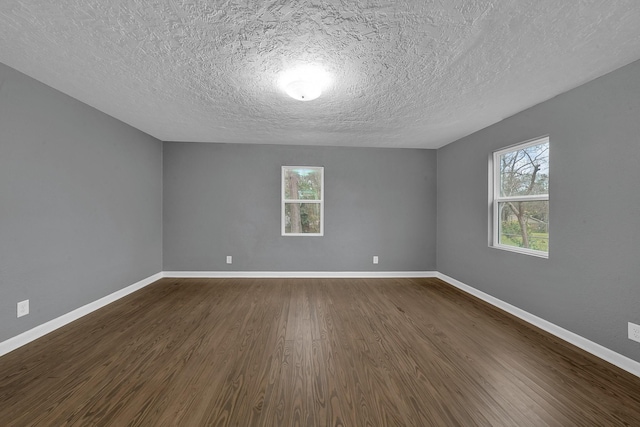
305	83
303	90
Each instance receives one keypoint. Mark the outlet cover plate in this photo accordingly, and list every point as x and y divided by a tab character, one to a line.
23	308
375	259
634	332
229	259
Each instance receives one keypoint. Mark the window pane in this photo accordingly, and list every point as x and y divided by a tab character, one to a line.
302	218
303	184
524	224
525	171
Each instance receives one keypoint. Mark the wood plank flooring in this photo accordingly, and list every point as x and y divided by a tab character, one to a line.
308	352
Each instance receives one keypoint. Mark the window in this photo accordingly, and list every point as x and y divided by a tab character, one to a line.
302	201
520	198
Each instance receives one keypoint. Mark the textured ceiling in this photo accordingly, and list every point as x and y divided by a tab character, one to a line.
407	73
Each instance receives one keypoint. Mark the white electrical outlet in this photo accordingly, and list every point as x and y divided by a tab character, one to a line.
375	259
23	308
634	332
229	259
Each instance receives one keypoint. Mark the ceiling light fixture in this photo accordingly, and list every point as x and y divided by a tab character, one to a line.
303	91
305	83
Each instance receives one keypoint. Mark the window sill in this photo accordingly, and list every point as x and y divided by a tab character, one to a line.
523	251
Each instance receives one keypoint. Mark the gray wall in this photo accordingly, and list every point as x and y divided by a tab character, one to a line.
80	203
225	200
81	208
590	284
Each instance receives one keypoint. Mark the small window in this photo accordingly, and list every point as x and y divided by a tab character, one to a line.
302	201
520	198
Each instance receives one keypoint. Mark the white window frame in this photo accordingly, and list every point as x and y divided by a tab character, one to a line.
284	201
495	199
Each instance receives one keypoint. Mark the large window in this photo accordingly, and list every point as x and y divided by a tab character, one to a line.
302	201
520	198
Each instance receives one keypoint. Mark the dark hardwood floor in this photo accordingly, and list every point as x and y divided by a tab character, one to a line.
308	352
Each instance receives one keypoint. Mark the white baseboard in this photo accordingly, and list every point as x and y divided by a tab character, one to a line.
604	353
50	326
297	274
